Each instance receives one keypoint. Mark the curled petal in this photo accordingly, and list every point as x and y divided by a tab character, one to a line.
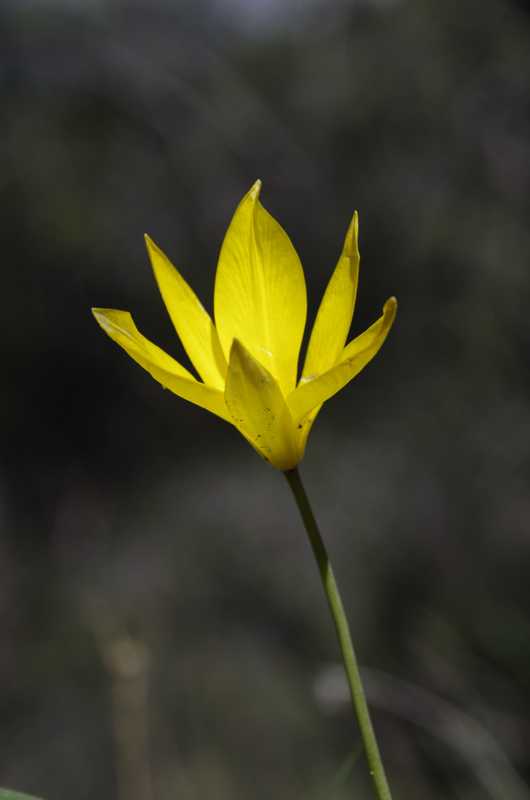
260	295
313	392
119	325
192	322
259	410
333	320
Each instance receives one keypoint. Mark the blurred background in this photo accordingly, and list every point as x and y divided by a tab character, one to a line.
163	632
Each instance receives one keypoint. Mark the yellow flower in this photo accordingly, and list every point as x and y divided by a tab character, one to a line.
248	360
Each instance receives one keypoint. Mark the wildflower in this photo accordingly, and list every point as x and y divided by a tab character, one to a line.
248	360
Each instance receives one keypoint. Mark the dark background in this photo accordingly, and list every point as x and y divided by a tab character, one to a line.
155	581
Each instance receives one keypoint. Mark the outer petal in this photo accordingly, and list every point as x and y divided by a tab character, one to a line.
260	295
192	322
335	313
355	356
120	327
259	410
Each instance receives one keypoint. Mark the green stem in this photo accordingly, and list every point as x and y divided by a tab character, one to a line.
351	666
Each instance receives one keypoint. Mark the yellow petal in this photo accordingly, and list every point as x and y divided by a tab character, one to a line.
260	295
304	425
192	322
335	313
120	327
312	393
258	409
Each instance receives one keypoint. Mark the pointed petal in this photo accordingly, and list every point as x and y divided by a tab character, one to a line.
354	358
260	295
120	327
335	313
258	409
192	322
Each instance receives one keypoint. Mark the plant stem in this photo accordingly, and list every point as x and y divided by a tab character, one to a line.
351	666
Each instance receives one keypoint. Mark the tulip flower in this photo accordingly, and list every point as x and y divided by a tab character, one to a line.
248	360
247	363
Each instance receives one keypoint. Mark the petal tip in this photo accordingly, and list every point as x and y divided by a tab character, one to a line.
150	244
109	317
101	315
236	348
390	308
255	190
350	241
98	313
